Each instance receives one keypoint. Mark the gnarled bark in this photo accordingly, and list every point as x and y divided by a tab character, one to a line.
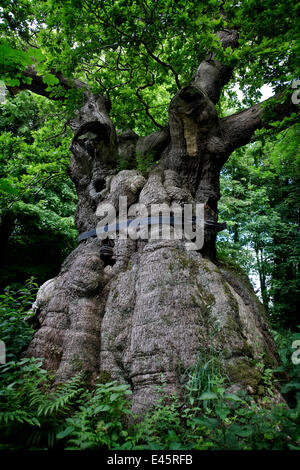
146	316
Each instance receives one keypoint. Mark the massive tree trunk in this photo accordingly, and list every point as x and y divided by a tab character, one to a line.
145	315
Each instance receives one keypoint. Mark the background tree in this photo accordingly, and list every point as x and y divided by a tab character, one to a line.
260	187
37	197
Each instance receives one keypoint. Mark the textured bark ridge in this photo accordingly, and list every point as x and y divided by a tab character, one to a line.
144	315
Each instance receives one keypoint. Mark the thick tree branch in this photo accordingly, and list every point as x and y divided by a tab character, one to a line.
153	144
239	128
211	76
40	88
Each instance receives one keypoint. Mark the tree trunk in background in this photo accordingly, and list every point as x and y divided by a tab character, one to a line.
6	228
146	318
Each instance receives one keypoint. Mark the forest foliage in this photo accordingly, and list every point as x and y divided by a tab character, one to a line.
137	55
37	197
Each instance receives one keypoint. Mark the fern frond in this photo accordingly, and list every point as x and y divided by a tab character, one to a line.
63	398
20	416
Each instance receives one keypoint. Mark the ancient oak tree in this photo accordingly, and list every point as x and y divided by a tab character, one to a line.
167	67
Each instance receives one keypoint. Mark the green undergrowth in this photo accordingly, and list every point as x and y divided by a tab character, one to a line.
15	303
37	413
